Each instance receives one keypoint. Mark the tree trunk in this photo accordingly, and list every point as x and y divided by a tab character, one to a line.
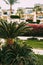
20	17
10	9
10	41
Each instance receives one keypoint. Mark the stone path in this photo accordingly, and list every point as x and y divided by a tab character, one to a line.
25	38
38	51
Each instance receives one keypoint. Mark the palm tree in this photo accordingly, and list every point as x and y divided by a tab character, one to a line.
37	8
12	53
20	12
12	30
11	2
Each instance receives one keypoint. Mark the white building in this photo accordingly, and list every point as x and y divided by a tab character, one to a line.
30	14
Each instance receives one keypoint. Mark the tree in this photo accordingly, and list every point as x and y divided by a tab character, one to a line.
11	2
20	12
37	8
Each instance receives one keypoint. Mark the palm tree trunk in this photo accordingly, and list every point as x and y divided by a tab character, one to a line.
10	9
10	41
19	16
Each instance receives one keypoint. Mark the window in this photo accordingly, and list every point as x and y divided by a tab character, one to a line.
40	17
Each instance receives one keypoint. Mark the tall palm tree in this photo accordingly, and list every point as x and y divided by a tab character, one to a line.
11	2
37	8
20	12
12	30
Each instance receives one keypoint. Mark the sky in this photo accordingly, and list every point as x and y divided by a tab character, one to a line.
22	3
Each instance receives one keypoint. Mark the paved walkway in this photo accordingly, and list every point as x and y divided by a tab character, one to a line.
25	38
38	51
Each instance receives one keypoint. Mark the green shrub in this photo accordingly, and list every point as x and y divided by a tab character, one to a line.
5	13
29	20
38	21
15	17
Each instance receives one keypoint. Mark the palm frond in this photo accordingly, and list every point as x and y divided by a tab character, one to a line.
20	30
12	30
10	1
6	1
4	29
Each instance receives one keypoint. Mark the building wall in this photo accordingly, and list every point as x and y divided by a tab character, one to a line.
28	14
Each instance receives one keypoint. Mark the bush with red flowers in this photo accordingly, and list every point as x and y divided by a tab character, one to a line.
36	31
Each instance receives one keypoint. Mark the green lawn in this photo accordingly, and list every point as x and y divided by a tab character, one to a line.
34	43
40	59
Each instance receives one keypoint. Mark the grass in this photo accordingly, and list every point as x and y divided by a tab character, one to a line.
40	59
34	43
